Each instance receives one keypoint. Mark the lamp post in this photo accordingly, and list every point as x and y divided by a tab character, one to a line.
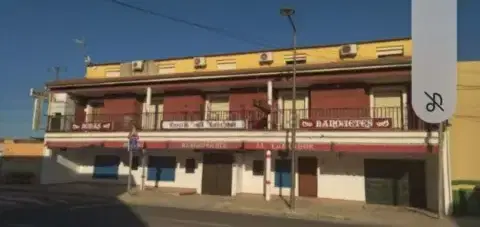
289	12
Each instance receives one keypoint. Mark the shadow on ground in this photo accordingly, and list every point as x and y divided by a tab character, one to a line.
61	204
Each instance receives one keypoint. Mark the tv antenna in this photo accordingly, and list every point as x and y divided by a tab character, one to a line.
82	43
57	70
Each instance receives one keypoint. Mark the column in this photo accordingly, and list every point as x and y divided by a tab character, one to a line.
148	99
269	100
268	174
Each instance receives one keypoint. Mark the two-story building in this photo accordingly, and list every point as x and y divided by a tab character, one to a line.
221	124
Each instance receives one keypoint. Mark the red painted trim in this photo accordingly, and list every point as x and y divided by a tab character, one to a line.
314	147
114	144
282	146
73	144
205	145
385	148
156	145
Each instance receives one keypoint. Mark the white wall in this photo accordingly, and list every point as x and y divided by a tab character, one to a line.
58	167
339	176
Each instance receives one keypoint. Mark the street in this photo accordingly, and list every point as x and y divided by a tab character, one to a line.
38	210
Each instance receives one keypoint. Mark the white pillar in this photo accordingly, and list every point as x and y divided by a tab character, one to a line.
148	100
269	100
268	174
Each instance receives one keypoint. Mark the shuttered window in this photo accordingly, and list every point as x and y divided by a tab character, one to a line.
301	106
388	104
153	114
218	108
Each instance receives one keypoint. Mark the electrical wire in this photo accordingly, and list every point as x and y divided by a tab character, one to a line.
220	31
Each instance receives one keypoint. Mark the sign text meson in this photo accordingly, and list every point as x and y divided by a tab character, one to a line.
203	124
92	126
347	123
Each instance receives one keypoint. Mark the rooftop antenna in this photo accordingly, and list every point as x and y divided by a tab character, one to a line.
57	70
82	43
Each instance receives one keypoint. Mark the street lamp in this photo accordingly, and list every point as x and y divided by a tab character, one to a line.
289	12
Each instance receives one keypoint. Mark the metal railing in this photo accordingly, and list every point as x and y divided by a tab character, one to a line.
377	118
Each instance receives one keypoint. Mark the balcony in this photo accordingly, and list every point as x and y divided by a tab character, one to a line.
348	119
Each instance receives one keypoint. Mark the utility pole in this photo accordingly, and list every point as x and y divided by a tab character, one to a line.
440	196
288	12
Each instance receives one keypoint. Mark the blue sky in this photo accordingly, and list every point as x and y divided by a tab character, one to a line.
36	35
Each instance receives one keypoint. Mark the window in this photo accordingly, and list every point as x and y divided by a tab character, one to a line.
282	173
226	64
190	165
258	167
161	168
96	107
153	114
166	68
112	74
301	59
286	105
218	108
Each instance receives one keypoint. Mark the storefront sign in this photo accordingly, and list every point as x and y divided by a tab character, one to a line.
367	123
203	124
204	145
97	126
283	146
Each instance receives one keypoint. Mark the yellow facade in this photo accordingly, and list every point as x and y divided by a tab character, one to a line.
12	148
314	55
464	135
21	156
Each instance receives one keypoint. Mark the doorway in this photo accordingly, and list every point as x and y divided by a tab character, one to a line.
217	174
395	182
307	176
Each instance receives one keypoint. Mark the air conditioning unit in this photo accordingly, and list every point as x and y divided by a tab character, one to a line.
199	62
137	65
349	50
266	57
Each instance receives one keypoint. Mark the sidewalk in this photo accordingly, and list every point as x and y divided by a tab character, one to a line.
316	209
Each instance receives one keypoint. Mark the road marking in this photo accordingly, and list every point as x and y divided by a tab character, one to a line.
195	222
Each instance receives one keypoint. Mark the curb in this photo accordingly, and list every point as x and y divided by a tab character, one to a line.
59	191
258	212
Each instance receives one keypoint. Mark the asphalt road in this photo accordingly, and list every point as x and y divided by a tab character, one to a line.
76	211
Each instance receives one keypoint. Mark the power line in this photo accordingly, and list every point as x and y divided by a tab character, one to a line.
220	31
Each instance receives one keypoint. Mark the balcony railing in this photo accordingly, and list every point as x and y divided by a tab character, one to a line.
378	118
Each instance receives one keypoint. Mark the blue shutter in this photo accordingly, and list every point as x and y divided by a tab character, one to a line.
161	168
106	167
282	173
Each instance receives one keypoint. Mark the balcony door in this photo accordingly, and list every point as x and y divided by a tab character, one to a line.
95	113
153	115
218	108
389	104
287	106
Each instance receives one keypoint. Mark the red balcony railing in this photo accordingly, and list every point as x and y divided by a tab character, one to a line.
378	118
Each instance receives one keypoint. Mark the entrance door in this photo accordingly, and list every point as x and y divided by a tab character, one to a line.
395	182
307	176
217	174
